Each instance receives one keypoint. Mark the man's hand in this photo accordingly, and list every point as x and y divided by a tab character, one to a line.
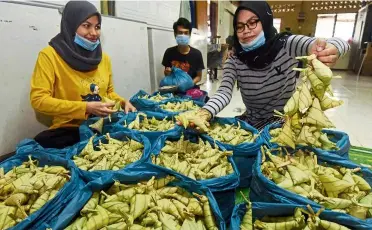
128	107
167	71
99	109
325	52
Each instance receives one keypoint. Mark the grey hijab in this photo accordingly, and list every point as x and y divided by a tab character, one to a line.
75	13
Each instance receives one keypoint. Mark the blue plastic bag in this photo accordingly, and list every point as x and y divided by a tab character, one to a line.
175	100
122	135
53	207
259	210
265	190
133	174
245	153
145	104
179	78
151	135
27	146
86	132
223	188
340	138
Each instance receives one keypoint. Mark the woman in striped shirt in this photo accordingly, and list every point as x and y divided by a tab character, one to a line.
263	64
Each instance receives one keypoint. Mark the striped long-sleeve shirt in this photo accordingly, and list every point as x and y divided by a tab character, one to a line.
268	89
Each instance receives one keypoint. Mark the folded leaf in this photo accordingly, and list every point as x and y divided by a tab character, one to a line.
316	116
305	100
98	126
291	106
285	138
328	103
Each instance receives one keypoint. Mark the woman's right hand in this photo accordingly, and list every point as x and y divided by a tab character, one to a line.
100	109
195	119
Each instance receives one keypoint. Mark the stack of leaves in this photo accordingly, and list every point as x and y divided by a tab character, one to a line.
198	161
150	125
337	188
304	111
26	188
324	141
179	106
150	205
297	221
230	134
114	155
157	98
98	126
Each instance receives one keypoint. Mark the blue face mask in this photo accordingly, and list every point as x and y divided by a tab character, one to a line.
256	43
183	40
86	44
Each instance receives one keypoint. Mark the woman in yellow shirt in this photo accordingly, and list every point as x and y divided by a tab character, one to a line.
72	75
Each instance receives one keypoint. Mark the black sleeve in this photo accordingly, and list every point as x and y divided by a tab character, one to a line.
166	59
200	66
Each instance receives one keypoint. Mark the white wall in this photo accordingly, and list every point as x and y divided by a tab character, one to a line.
158	13
159	41
225	27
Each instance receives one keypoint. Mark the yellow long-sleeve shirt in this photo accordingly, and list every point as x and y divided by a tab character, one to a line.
58	90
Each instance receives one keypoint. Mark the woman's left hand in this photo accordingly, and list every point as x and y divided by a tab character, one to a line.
325	52
128	107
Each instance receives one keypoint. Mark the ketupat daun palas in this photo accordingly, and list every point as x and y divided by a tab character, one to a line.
27	188
98	125
230	134
179	106
149	205
198	161
157	98
304	111
150	124
111	156
297	221
337	188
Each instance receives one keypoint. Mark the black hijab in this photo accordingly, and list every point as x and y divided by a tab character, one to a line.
78	58
264	55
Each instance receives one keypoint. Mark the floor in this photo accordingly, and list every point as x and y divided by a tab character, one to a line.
353	117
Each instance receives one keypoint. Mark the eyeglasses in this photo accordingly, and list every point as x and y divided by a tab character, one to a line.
252	24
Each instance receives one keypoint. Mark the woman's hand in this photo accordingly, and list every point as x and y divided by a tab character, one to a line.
99	109
195	119
128	107
325	52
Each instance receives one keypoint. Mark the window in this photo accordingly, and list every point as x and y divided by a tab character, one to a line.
344	26
335	25
277	22
325	25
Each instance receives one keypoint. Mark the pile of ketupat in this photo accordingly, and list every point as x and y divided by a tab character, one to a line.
98	126
114	155
304	111
157	98
297	221
146	206
230	134
179	106
334	187
150	125
198	161
26	188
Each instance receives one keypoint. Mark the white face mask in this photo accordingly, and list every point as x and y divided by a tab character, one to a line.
256	43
